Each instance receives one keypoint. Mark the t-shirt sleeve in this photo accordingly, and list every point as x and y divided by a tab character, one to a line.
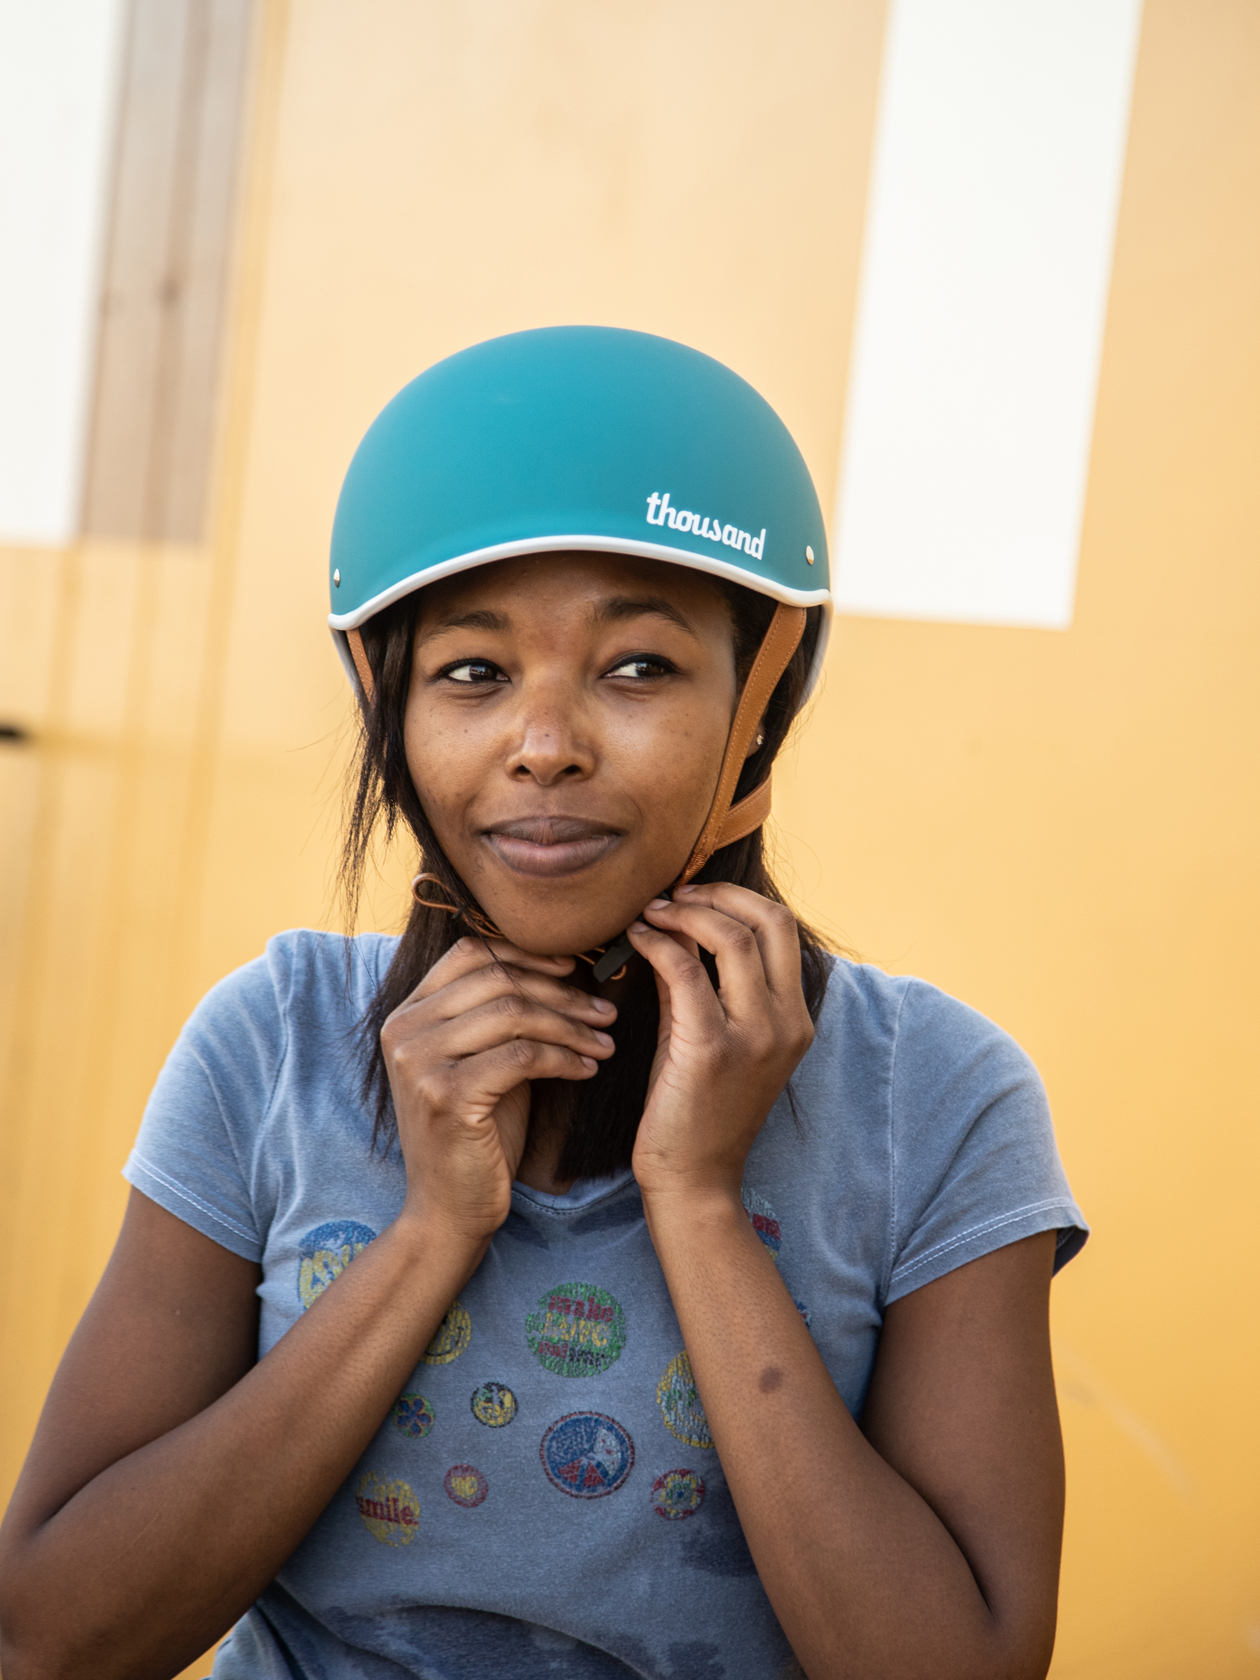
194	1154
974	1160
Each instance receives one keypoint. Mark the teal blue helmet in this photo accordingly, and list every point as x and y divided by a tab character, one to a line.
589	438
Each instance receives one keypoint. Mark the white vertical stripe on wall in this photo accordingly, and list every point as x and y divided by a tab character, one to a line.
58	76
995	183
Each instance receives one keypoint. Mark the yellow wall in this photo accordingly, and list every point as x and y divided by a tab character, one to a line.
1061	828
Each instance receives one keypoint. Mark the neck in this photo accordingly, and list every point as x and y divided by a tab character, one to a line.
550	1115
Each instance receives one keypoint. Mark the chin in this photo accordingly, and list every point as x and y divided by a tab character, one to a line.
549	943
557	936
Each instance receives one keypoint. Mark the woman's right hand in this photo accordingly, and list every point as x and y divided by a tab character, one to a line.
460	1052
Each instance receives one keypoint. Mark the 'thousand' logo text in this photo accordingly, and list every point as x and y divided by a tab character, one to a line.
659	512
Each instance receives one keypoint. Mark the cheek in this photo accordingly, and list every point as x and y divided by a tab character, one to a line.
443	766
676	768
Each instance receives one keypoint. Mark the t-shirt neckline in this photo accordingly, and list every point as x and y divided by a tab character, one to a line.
580	1194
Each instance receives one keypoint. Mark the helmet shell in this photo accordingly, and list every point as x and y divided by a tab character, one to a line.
591	438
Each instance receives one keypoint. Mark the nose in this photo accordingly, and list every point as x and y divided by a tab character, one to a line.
551	744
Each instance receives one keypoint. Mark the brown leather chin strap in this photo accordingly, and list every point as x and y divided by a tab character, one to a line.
727	823
359	654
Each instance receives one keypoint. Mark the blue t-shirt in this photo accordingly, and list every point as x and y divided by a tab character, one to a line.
545	1497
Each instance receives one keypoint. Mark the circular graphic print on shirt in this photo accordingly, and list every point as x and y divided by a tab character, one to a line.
679	1400
586	1454
494	1405
413	1415
576	1330
453	1335
465	1484
390	1510
765	1221
677	1494
326	1252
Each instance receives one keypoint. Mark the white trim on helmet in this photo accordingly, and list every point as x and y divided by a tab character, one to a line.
339	623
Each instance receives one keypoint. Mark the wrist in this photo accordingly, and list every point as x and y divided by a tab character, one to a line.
427	1240
697	1211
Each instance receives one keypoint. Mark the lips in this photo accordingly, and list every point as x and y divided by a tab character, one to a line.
550	846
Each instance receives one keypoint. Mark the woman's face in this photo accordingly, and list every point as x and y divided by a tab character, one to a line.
565	726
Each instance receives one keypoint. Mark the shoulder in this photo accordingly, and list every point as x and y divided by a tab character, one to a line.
303	974
263	1066
959	1058
968	1143
310	959
920	1032
918	1074
306	993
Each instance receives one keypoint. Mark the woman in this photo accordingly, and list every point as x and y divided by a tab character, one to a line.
601	1279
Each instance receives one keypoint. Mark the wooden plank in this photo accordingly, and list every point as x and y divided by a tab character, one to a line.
151	442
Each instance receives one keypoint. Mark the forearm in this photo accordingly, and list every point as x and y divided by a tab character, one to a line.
863	1576
154	1558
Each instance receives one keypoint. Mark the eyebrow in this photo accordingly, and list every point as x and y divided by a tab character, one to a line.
481	619
621	607
613	611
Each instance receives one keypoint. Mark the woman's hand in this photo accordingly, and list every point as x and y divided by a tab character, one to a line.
949	1508
722	1057
460	1053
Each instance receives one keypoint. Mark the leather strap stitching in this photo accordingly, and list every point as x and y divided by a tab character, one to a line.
781	641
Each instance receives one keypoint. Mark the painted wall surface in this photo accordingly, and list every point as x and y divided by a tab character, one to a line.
59	66
1060	827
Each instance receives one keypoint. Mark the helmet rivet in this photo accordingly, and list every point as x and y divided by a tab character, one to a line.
337	580
809	554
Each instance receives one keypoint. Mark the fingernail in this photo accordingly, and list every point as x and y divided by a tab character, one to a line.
589	1063
606	1039
688	888
603	1005
638	927
658	904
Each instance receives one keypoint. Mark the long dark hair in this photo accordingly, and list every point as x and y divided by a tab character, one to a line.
602	1112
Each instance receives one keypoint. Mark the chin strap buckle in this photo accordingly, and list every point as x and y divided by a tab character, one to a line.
612	965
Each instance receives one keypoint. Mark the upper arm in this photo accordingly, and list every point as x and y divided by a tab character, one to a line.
172	1325
962	1406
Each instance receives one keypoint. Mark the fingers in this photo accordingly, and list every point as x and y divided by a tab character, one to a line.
745	993
472	1085
772	925
471	953
512	1015
691	998
491	1000
499	1070
486	1005
479	986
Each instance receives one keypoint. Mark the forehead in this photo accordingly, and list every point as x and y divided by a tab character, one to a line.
543	582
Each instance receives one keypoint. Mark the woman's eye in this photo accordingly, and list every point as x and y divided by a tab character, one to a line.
470	671
642	665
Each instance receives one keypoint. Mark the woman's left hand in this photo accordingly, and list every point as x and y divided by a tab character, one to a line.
722	1056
